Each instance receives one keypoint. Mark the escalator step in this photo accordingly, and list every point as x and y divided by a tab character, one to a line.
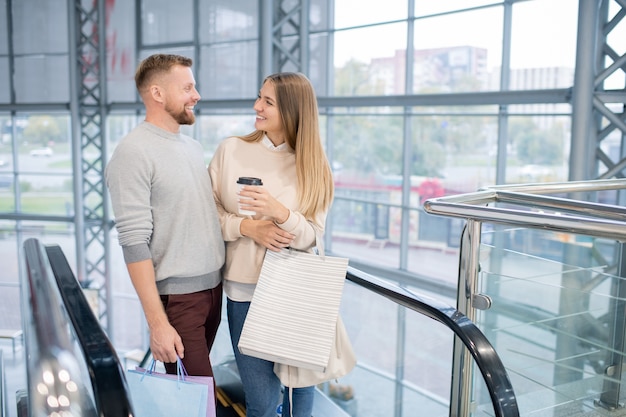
226	407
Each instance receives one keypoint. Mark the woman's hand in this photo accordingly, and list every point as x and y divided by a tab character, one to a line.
267	234
263	204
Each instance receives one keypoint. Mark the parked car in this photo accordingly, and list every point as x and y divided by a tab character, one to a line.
41	152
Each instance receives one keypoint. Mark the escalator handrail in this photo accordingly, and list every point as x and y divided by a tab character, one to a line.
105	369
491	367
53	369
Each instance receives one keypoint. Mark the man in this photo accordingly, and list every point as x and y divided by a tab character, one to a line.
167	220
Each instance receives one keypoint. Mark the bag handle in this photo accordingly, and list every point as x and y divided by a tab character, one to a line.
319	243
181	372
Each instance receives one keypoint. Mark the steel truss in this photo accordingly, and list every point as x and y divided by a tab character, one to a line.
88	108
606	102
287	45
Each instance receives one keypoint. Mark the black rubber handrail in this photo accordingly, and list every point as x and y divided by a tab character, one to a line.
493	371
105	369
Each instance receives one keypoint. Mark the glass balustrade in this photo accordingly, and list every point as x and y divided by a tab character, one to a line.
556	301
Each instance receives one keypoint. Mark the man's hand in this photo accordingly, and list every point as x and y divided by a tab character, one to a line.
165	343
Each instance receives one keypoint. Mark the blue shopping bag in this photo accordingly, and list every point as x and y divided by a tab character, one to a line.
154	394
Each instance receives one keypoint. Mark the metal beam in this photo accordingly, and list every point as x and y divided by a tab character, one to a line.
88	109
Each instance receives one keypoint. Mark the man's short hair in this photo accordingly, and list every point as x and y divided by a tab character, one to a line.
155	65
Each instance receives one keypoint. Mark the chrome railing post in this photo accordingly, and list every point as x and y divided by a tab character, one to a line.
460	400
610	397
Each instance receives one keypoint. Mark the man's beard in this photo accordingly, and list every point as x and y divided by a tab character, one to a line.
182	117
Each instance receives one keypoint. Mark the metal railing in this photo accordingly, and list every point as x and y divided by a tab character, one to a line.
487	360
528	206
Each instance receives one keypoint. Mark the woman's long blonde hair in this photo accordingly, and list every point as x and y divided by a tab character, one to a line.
297	105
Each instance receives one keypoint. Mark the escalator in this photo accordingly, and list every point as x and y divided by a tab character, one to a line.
62	334
71	366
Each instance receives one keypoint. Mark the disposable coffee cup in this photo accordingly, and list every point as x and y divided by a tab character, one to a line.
242	181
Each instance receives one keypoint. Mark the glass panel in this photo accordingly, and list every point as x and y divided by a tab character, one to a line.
541	79
40	27
226	20
120	33
615	40
366	66
543	34
538	148
215	128
456	153
372	323
362	231
228	71
10	311
319	12
5	81
165	21
352	13
44	144
47	194
554	298
367	149
457	60
6	146
319	60
42	79
4	35
429	7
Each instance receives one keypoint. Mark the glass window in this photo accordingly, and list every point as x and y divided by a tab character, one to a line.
47	194
167	22
319	60
10	311
213	129
429	7
352	13
6	146
615	40
365	65
459	60
228	71
40	27
42	79
319	18
538	149
226	20
4	35
121	51
5	81
367	152
44	143
543	34
455	152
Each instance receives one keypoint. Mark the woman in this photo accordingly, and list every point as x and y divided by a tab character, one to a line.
286	152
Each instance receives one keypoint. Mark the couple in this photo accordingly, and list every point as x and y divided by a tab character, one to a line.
173	217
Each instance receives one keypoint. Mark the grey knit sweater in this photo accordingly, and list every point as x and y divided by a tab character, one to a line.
164	208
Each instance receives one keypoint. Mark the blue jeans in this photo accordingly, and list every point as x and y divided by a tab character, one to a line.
261	386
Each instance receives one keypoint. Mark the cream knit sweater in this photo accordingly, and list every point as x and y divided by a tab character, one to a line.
236	158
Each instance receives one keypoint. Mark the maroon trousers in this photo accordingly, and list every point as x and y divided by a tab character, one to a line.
195	317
